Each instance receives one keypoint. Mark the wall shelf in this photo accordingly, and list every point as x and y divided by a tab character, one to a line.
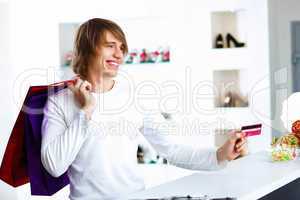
226	24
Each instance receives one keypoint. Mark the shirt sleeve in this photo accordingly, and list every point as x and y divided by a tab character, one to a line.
157	131
61	143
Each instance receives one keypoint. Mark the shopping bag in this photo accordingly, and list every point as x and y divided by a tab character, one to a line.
22	158
13	169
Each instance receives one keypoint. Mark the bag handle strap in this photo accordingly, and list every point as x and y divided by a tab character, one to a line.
63	82
73	81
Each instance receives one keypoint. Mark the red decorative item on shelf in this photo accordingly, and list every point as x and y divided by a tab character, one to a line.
296	128
143	56
166	55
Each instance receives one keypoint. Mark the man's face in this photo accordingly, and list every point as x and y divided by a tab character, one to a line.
110	56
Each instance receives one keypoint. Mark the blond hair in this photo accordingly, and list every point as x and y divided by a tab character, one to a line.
89	36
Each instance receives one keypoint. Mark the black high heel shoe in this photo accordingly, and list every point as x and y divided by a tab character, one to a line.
230	38
219	43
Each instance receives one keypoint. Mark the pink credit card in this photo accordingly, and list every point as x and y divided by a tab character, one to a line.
252	130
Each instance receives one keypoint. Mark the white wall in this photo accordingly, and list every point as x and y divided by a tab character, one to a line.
280	16
5	68
6	105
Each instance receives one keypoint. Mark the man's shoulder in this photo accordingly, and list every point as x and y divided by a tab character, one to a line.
64	96
61	93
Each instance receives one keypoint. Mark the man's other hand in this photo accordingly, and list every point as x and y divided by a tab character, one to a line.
234	147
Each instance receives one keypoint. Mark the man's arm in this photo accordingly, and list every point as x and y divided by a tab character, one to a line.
184	156
187	156
60	144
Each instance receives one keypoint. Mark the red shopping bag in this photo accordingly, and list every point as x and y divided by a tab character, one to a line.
14	168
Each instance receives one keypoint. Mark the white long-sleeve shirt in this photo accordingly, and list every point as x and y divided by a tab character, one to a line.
100	155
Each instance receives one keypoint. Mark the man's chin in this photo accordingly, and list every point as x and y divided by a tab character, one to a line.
111	73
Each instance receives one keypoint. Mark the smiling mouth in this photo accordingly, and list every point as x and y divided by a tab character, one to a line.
112	64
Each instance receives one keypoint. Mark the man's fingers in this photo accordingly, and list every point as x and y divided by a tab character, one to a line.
71	87
240	142
88	86
239	147
235	136
85	86
240	134
81	85
78	83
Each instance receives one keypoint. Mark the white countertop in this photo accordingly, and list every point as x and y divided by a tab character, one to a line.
250	177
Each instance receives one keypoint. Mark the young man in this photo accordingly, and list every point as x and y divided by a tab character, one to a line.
99	154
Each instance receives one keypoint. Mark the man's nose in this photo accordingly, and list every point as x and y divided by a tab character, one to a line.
118	53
